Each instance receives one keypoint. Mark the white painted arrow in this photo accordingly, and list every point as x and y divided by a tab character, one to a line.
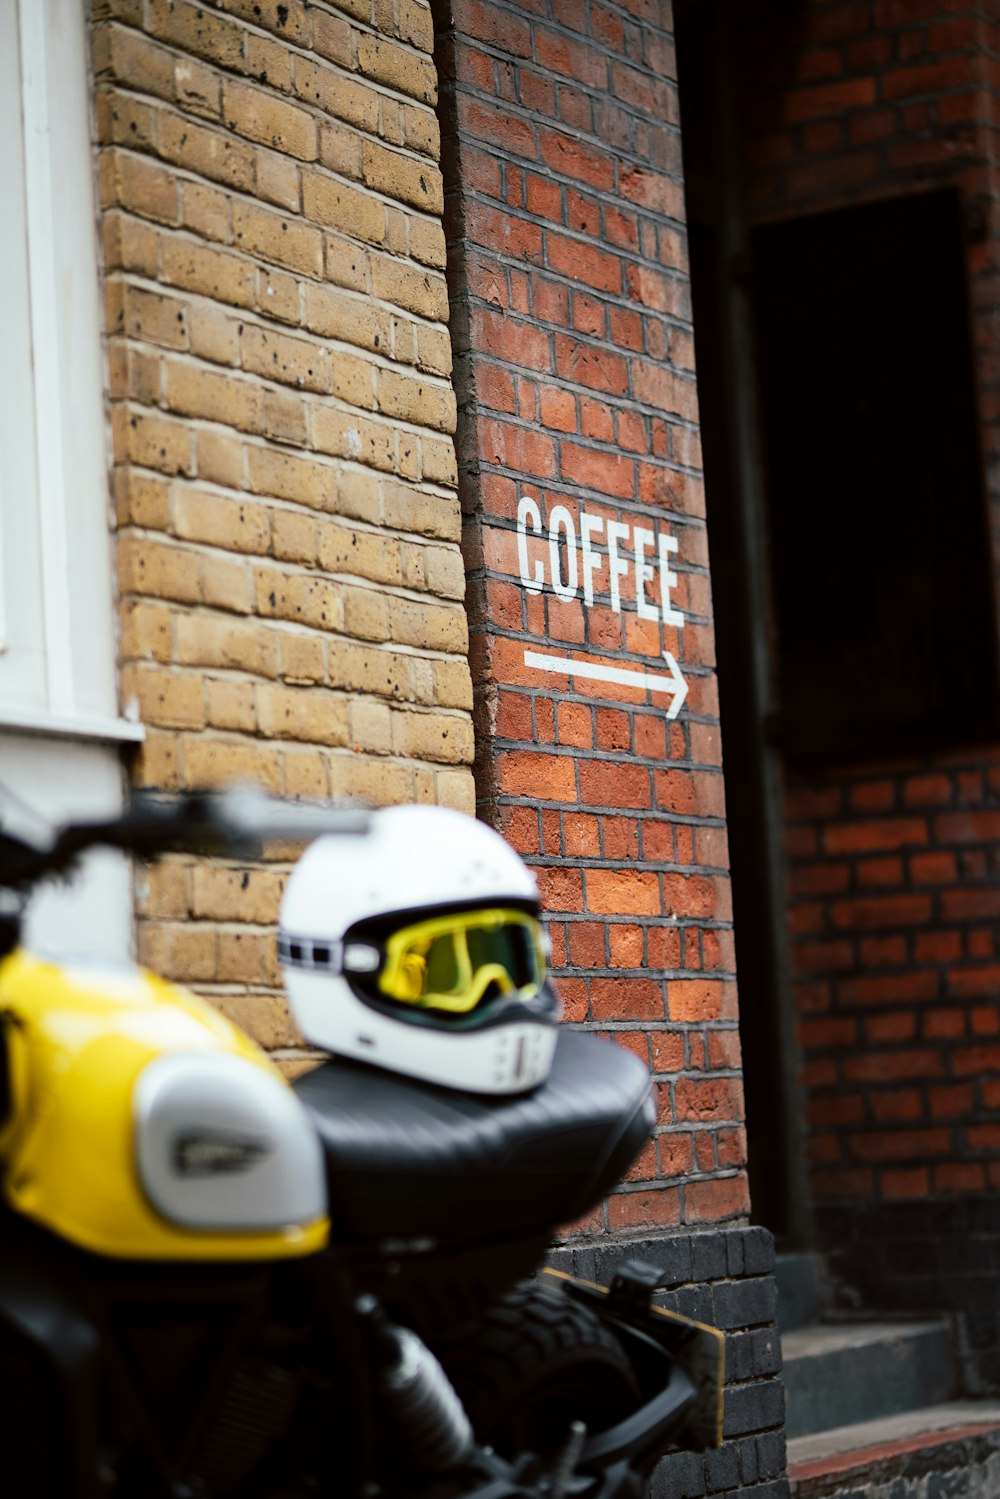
675	684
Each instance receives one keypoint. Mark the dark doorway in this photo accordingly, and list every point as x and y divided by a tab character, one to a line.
872	483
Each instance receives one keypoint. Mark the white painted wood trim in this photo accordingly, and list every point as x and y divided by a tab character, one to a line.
49	414
74	726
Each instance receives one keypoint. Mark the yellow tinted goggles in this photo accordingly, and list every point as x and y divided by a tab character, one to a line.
451	962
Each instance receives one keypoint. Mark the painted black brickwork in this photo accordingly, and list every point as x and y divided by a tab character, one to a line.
929	1256
725	1277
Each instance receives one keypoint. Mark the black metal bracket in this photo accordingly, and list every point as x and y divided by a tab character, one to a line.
633	1286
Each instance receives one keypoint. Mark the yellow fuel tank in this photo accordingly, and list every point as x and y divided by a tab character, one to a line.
116	1144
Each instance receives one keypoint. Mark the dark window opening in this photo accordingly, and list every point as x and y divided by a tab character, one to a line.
883	600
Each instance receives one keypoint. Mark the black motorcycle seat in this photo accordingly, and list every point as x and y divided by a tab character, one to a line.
406	1159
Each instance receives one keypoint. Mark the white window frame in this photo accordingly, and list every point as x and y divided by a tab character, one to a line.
78	693
61	733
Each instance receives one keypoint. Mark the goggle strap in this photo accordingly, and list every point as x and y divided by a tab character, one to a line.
330	956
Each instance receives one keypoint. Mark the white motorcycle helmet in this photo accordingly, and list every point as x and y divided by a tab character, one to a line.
417	946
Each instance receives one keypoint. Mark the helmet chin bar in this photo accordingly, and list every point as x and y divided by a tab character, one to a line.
507	1058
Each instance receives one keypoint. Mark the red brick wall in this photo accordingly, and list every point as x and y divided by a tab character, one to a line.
893	911
864	99
571	327
893	877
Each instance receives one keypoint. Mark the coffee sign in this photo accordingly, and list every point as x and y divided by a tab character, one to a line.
594	553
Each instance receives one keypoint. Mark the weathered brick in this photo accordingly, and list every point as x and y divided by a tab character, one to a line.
278	180
209	762
303	660
169	699
371	727
269	62
285	418
278	295
237	525
139	185
221	458
427	243
366	614
432	736
146	631
152	441
353	381
157	761
346	318
278	238
162	889
130	245
410	287
340	150
125	120
332	37
438	462
300	598
148	315
247	957
289	21
209	152
198	88
400	176
230	705
288	477
346	434
192	390
197	30
312	715
339	206
258	115
398	66
278	356
142	499
206	211
226	582
347	264
134	374
434	626
294	536
212	273
134	59
421	513
207	640
423	402
306	775
181	950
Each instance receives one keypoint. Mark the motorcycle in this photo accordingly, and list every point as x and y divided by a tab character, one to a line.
213	1284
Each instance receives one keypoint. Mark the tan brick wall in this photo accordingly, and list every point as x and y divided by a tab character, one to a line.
291	586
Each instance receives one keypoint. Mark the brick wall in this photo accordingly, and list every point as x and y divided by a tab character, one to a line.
895	899
571	327
282	413
864	99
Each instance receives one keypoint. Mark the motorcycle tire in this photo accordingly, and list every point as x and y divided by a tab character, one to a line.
534	1363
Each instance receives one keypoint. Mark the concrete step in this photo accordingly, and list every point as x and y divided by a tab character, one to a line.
840	1373
803	1289
945	1451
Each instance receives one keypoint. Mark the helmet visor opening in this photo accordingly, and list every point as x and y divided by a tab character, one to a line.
453	963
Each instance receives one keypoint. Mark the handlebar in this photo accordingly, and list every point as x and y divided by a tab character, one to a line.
236	821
